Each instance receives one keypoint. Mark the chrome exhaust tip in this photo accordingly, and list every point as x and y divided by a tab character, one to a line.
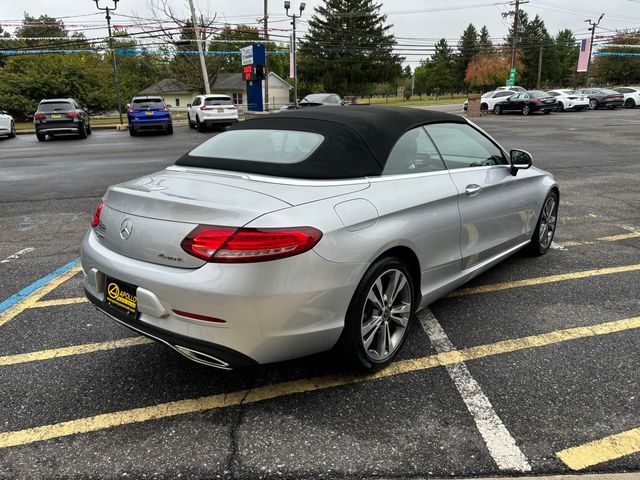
202	358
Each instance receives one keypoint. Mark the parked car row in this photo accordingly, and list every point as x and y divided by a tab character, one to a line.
507	99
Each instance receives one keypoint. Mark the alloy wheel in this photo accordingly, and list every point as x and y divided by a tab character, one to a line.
525	110
593	104
548	222
385	316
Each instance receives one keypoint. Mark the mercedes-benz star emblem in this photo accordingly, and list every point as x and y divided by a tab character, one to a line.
126	227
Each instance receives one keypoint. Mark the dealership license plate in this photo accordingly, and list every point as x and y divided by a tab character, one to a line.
148	113
56	116
121	296
221	110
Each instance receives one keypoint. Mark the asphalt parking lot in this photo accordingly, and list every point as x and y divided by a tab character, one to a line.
533	367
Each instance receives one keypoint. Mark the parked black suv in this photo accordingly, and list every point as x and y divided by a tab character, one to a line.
61	115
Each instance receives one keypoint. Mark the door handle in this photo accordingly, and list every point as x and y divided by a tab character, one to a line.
472	190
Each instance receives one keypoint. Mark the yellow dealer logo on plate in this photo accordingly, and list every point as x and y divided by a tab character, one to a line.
113	290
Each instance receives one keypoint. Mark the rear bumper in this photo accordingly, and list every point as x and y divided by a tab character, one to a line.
196	350
140	125
274	311
219	121
62	127
613	103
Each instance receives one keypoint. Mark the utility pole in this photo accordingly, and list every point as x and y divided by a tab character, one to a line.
113	53
516	16
287	6
266	61
203	65
593	33
539	68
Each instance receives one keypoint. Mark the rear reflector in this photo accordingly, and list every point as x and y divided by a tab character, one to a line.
245	245
197	316
96	215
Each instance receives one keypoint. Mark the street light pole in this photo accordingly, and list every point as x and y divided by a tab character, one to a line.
593	32
113	53
287	6
199	42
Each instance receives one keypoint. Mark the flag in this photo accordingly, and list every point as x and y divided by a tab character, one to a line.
583	60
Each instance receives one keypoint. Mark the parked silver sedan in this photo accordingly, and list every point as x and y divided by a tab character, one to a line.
295	233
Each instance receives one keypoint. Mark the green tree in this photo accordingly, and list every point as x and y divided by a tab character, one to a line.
564	59
468	47
442	69
485	45
349	47
619	70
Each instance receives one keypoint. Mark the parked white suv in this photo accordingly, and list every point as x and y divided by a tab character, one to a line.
208	110
489	99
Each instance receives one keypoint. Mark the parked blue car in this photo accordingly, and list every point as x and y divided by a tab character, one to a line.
149	113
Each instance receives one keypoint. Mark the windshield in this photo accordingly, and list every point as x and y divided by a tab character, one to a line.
315	98
218	101
148	103
55	107
271	146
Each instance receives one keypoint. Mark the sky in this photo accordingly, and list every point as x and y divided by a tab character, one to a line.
414	21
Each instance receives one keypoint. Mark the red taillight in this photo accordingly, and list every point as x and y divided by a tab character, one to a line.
164	109
233	107
203	107
96	215
40	116
536	101
572	98
131	110
245	245
72	114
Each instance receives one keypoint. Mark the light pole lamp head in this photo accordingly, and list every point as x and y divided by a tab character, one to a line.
287	6
302	5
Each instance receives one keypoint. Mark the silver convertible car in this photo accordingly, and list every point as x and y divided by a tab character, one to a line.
311	229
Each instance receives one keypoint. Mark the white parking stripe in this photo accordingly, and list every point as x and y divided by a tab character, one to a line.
17	255
500	443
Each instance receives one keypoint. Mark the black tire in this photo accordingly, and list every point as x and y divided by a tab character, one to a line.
497	109
12	131
526	110
41	136
351	343
593	104
89	129
170	130
560	107
629	103
540	246
132	131
202	127
484	106
82	130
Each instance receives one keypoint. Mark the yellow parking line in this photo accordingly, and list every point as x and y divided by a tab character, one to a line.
603	450
30	300
58	302
624	236
528	282
74	350
180	407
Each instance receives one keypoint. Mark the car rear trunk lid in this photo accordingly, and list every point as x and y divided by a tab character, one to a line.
147	218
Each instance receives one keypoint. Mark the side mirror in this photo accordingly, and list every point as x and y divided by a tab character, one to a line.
520	160
188	105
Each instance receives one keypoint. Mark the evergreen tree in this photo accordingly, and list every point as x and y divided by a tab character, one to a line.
564	59
468	47
349	47
535	37
442	69
485	45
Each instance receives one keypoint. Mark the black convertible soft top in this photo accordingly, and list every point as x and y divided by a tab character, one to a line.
357	140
